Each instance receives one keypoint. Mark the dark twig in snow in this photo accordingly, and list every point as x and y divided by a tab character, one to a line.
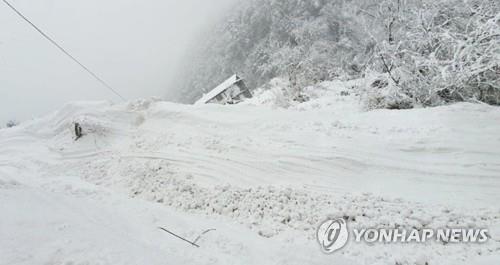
204	232
179	237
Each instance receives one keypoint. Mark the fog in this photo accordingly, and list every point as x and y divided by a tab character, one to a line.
134	45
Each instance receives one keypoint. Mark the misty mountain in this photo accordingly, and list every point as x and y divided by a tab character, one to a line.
420	52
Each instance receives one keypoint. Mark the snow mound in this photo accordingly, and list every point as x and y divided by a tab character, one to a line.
332	95
267	173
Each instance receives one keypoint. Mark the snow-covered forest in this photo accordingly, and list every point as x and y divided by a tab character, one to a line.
411	53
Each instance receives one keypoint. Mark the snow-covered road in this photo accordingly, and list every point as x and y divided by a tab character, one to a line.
263	177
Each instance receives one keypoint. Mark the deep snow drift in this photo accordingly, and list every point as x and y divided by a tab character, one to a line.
262	176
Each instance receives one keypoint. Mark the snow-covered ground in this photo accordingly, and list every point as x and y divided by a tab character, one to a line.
263	177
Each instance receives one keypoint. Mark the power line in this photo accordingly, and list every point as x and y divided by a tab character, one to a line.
100	80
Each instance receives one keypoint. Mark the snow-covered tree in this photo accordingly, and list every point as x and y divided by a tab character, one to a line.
446	51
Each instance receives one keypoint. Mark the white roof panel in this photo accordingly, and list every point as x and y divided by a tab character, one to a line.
219	89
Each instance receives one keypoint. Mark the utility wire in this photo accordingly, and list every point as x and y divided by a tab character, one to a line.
100	80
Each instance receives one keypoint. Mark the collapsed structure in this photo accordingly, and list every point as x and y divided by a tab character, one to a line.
231	91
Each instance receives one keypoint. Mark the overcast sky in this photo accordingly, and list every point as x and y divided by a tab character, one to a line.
134	45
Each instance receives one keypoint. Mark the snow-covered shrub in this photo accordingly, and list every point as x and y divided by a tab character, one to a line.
142	104
381	92
277	93
11	123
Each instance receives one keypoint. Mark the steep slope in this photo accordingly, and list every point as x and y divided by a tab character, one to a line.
425	52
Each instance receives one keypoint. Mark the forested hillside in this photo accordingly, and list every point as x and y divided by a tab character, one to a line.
419	52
